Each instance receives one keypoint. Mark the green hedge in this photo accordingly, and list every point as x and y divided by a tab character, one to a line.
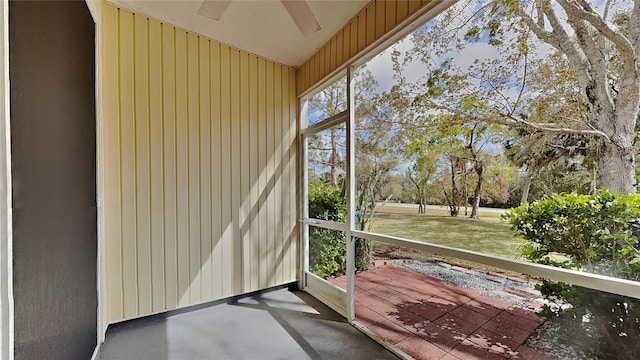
594	233
327	248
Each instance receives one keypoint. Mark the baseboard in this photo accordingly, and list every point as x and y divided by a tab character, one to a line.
190	308
96	352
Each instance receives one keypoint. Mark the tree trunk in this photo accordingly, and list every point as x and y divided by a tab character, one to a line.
526	187
616	165
454	207
421	206
334	159
593	185
364	252
454	210
479	168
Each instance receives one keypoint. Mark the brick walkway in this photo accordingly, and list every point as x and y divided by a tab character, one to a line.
429	318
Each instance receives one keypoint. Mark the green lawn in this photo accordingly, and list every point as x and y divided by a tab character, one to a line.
489	234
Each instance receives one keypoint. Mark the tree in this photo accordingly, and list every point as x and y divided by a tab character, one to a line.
374	146
329	102
477	135
422	154
500	179
535	152
460	150
454	169
593	55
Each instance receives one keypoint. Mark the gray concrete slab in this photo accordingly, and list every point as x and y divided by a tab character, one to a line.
273	325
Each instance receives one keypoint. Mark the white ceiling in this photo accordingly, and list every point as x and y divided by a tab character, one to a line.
262	27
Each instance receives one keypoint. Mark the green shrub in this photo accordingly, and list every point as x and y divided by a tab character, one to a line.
593	233
327	248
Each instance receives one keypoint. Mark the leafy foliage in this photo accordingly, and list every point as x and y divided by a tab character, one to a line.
594	233
327	248
326	202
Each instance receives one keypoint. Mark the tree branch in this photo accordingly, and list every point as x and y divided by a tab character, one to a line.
635	30
538	28
597	60
577	58
510	120
584	12
559	39
524	82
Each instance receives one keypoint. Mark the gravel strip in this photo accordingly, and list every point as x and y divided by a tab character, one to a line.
487	284
546	338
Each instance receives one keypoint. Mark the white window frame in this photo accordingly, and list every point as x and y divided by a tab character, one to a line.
585	279
332	295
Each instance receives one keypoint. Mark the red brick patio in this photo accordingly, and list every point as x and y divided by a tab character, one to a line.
429	318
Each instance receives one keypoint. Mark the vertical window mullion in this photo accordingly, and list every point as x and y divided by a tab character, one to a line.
350	169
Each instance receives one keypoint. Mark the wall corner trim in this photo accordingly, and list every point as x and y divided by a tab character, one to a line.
6	249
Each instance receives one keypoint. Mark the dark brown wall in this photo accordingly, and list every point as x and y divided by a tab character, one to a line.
53	167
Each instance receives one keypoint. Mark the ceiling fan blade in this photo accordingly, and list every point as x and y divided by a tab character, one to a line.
302	15
214	9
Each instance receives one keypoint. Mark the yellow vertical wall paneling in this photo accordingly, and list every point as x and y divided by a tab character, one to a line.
182	168
112	202
402	10
351	32
414	5
371	24
339	47
254	170
199	168
157	183
374	12
362	29
235	170
319	64
343	44
327	60
206	199
270	257
292	250
127	165
262	171
381	14
333	53
216	163
193	155
169	155
141	163
225	173
245	190
390	15
277	164
286	168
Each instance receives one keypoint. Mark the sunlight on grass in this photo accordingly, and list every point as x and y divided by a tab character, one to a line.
489	234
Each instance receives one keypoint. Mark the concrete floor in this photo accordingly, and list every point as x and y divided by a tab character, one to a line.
278	324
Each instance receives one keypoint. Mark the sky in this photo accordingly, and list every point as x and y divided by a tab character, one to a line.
382	67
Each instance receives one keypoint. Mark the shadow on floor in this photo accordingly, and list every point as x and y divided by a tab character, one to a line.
429	318
278	324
